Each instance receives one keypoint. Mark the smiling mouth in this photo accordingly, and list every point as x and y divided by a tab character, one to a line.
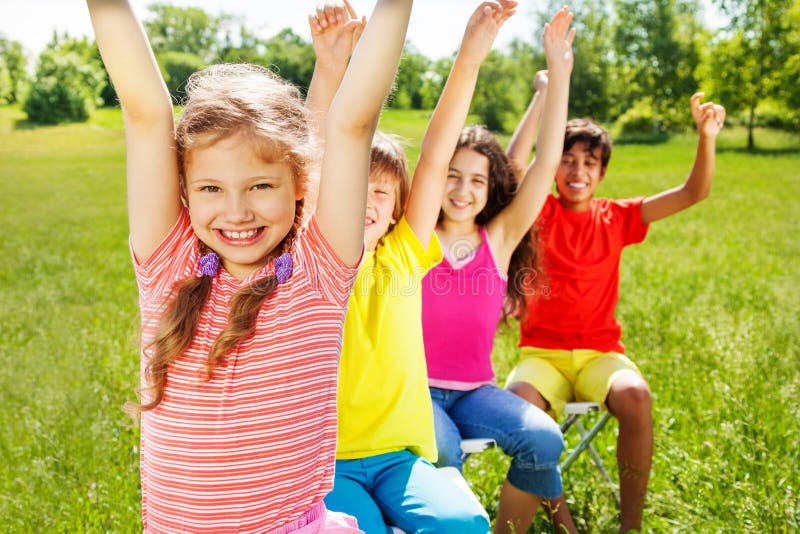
577	185
240	237
460	204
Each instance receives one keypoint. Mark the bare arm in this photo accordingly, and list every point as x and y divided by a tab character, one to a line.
709	118
335	30
509	226
441	137
152	166
521	144
351	124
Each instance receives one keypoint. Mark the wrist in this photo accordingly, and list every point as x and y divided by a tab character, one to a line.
330	66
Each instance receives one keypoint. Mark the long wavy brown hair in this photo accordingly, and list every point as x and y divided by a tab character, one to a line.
268	112
523	269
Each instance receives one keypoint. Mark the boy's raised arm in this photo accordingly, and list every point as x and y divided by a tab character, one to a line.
709	118
509	226
351	124
152	167
521	143
441	137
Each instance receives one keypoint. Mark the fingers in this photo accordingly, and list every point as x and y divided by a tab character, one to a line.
313	23
350	10
330	15
719	111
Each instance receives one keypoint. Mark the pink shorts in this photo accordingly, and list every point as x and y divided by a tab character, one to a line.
320	519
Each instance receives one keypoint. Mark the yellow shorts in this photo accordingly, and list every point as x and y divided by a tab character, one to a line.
563	376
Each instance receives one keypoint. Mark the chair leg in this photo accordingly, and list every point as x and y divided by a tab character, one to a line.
586	445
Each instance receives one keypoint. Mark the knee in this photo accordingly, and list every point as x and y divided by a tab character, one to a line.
543	443
631	400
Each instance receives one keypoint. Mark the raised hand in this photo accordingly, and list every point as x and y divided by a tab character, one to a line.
483	26
558	39
708	116
335	30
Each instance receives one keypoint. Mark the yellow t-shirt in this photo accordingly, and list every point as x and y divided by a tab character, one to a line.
384	402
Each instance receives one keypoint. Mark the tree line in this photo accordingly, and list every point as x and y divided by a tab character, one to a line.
637	63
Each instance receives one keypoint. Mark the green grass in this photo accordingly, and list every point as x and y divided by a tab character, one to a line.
708	305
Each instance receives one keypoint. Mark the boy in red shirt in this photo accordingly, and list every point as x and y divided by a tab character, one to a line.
570	339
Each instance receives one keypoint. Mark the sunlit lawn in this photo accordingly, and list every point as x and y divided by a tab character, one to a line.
709	306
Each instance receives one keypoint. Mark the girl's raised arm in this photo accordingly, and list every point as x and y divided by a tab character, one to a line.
351	124
152	165
509	226
441	137
521	144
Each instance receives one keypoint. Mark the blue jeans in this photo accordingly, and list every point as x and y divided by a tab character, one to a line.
522	430
403	490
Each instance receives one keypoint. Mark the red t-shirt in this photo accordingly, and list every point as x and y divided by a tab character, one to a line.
573	307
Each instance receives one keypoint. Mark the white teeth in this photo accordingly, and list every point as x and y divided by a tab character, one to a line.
577	185
239	235
459	204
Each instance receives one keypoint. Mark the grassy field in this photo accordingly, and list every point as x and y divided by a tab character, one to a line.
709	307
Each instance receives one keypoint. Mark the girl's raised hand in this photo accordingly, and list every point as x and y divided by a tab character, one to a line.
483	26
558	39
335	29
708	116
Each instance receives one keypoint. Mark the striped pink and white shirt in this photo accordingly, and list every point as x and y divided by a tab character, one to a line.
253	448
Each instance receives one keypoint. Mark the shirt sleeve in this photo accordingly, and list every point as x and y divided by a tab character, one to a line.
326	272
401	246
174	259
633	229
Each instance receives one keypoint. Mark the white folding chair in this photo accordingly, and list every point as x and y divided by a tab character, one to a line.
574	411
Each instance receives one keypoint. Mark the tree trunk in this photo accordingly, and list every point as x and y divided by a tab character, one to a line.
751	144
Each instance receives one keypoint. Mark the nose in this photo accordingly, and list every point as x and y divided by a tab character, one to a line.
237	208
461	187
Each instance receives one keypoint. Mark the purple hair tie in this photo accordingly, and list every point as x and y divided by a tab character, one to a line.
283	267
209	264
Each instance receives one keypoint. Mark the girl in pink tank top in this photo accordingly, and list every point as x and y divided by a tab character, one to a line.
483	223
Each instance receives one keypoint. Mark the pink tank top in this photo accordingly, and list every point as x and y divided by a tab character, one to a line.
460	310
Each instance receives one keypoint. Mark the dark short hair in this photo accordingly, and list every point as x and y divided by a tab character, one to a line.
588	131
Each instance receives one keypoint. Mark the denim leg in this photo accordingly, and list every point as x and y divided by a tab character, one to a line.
419	498
522	430
350	495
448	438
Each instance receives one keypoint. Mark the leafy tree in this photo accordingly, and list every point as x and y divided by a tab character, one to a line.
748	63
185	29
176	67
499	98
66	87
654	63
416	86
13	76
592	87
290	56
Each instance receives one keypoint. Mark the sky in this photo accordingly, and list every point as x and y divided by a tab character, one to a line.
435	28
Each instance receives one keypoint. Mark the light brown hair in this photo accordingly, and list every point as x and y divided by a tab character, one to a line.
222	101
388	159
